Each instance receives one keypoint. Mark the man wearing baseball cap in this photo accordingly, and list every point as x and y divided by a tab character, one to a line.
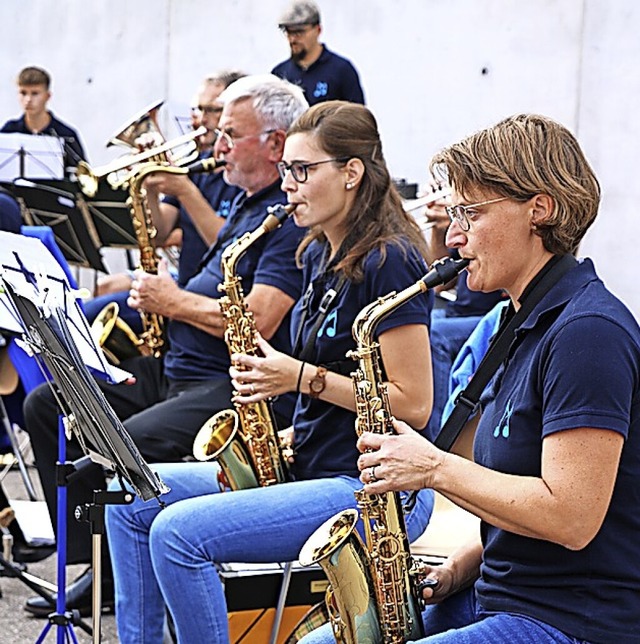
322	74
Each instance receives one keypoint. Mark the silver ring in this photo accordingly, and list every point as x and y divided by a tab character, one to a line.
253	389
372	474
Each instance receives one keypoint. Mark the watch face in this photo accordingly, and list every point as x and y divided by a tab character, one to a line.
316	385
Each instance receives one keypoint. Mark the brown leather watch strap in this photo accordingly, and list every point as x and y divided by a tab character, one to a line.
318	382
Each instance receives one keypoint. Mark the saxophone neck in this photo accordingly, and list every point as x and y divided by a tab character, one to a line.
275	218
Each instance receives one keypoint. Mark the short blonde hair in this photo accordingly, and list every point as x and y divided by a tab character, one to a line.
526	155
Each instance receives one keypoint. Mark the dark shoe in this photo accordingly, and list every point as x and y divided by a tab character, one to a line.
78	597
24	553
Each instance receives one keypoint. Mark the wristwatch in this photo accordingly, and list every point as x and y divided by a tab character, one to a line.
318	382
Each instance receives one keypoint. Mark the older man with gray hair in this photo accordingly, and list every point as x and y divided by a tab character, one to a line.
173	396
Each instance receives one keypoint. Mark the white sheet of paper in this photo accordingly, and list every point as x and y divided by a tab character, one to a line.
51	289
34	521
42	156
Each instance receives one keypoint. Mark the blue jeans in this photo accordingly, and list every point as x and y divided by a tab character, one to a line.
457	620
167	555
447	335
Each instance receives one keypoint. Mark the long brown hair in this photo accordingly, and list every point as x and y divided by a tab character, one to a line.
346	130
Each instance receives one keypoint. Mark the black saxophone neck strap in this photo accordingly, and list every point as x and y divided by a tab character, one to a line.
326	303
467	400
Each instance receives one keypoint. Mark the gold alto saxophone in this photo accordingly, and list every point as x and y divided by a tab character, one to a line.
152	338
373	596
243	440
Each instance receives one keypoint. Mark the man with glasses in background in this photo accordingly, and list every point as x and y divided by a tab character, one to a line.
173	396
187	211
323	75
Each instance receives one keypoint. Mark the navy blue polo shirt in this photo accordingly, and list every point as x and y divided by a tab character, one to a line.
73	150
196	355
325	436
220	195
331	77
575	363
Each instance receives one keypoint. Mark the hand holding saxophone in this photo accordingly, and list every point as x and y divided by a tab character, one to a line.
396	462
167	183
154	293
256	378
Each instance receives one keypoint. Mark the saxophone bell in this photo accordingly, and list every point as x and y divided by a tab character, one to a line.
115	336
219	439
337	547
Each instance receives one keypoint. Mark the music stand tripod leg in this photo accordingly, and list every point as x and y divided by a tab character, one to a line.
61	618
93	513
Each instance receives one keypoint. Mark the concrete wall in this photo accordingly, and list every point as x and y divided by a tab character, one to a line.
432	70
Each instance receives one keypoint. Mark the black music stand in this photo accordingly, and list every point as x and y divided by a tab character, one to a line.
54	204
107	213
28	156
49	323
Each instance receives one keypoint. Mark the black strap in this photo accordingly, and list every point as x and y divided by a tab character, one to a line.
325	306
467	400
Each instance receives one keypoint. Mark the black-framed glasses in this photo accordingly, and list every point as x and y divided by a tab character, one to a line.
461	214
232	139
300	170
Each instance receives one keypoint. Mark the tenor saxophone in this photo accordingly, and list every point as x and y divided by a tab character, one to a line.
373	595
243	440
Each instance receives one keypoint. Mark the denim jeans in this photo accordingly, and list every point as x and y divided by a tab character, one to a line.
447	335
457	620
170	554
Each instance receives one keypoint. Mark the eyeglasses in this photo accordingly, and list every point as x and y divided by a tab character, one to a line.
300	171
461	214
232	139
207	109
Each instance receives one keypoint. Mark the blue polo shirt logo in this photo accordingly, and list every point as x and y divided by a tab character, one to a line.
330	325
224	208
321	89
502	428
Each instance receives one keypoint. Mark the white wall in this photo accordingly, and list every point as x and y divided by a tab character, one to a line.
432	70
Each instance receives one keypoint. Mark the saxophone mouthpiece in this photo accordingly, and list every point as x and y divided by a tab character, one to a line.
444	270
280	212
206	165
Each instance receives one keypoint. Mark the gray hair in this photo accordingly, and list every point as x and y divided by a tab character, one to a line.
277	102
224	77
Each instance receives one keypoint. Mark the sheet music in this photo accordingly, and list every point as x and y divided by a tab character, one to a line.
29	156
33	272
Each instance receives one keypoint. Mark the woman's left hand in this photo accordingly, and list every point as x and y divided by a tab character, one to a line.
256	378
395	462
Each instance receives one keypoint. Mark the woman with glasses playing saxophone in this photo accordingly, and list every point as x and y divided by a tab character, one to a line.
555	471
361	245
